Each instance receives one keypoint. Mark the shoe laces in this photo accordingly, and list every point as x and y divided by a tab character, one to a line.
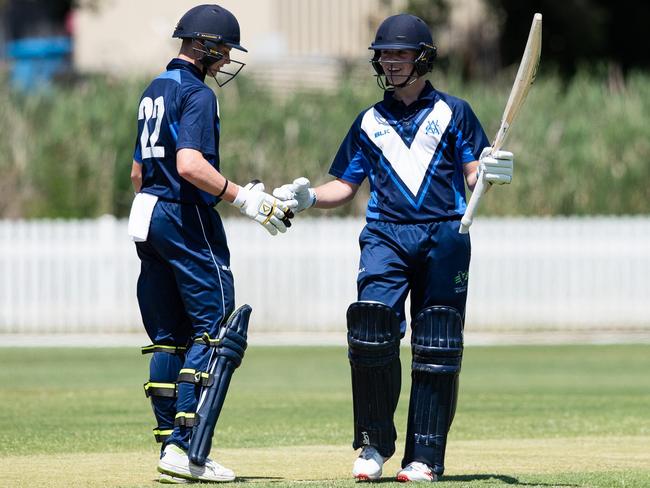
214	466
421	467
368	452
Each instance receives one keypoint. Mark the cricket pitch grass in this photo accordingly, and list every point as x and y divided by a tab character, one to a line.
570	416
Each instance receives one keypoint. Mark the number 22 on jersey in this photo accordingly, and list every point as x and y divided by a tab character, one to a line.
151	109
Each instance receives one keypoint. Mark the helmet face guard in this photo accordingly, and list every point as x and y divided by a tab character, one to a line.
210	54
212	26
222	76
403	32
421	65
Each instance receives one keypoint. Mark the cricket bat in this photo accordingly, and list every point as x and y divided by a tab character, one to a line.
523	81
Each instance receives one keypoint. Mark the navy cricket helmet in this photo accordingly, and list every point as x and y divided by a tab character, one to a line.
211	25
404	31
210	22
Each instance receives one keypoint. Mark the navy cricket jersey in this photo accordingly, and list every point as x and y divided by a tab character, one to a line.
177	110
413	156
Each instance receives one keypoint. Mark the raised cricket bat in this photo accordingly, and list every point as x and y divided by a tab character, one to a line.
523	81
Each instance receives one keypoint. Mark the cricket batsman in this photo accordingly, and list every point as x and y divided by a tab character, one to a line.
418	147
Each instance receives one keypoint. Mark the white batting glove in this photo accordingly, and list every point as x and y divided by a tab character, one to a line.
271	213
497	168
300	192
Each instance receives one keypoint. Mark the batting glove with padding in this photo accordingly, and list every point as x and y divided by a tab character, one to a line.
497	168
270	212
300	192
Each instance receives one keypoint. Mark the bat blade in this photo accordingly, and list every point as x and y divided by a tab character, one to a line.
523	80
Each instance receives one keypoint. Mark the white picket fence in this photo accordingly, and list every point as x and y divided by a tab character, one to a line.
557	274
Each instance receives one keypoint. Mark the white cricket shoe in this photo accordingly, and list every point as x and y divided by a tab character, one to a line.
416	472
368	466
167	479
175	463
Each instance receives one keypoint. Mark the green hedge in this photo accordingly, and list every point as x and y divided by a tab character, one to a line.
580	147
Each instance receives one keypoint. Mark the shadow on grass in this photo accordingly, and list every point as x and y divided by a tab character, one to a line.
506	480
271	479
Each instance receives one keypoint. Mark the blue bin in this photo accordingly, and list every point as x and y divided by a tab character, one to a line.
36	60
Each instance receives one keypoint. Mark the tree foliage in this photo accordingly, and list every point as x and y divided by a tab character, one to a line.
580	147
578	33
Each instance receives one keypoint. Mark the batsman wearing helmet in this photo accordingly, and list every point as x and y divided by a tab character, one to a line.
418	147
185	289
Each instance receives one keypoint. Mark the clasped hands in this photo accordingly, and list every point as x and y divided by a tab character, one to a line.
271	213
274	212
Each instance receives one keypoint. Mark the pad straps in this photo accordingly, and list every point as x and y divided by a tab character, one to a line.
188	375
178	350
167	390
161	435
185	419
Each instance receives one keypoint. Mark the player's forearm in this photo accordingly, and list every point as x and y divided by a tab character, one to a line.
193	167
136	176
334	193
471	176
204	177
470	170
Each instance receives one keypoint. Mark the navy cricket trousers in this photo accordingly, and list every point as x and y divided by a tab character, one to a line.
185	289
431	260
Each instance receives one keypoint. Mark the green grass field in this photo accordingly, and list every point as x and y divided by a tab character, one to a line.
529	416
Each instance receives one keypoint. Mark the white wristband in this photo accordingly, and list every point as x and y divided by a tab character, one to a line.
240	199
312	197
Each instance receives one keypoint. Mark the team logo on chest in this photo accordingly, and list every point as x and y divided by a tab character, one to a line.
410	165
433	128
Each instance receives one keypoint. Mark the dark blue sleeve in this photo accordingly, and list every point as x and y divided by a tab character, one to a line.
471	138
348	162
199	121
137	152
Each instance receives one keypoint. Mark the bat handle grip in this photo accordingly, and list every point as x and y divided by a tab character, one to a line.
468	217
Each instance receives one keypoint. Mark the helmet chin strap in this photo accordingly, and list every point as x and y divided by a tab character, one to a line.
410	79
207	57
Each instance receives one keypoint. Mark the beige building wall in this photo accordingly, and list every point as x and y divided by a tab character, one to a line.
134	36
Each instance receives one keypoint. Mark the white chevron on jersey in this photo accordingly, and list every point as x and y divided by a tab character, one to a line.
410	164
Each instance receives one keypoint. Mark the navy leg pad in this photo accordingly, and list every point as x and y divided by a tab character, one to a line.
228	355
437	340
437	346
373	351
